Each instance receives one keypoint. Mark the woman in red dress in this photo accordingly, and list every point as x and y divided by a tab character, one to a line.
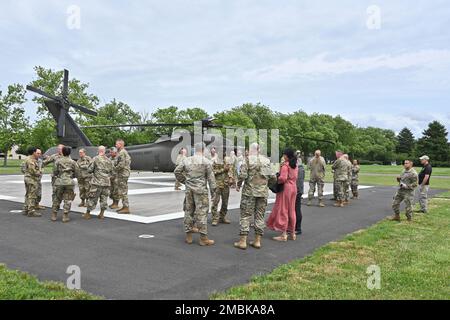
282	218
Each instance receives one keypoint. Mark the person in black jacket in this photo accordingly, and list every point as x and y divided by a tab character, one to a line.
300	190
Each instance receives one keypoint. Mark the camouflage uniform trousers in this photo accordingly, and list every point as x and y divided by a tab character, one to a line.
39	192
341	189
354	186
406	196
177	184
347	190
53	189
96	192
114	190
312	188
224	194
196	206
66	194
335	189
84	185
252	207
31	196
122	190
423	197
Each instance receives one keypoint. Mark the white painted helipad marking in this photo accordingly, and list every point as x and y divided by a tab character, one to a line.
152	183
16	211
146	236
2	197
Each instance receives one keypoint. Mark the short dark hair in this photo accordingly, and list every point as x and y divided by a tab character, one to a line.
31	150
66	151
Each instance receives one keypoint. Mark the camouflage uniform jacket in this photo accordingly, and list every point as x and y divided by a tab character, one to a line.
101	168
114	163
180	158
32	171
196	172
83	166
317	166
223	171
349	168
355	173
409	179
123	164
341	168
52	159
65	169
256	173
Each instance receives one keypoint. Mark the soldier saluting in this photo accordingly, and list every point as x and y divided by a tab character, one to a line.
101	168
64	173
32	175
122	169
196	173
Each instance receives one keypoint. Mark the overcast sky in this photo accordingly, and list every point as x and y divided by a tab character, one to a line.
332	57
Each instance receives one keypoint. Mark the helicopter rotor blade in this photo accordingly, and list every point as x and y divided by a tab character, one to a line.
139	125
42	93
83	109
61	122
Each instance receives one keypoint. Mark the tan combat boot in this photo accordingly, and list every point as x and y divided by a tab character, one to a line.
194	230
87	215
214	222
224	220
39	207
345	202
257	243
204	241
65	217
339	204
395	217
321	204
82	204
309	203
188	239
34	214
101	215
124	210
242	243
115	205
54	216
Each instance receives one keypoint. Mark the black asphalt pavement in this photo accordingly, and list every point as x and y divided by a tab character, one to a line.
117	264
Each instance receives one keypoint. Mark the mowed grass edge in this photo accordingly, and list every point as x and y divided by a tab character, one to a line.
17	285
414	260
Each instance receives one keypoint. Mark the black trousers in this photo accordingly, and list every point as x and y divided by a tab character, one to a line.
298	212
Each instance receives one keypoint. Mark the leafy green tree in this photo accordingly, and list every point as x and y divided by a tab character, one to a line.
14	125
406	142
42	134
434	142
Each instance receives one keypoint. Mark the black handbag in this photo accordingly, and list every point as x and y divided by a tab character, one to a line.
276	187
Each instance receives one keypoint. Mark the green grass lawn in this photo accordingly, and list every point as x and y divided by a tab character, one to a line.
13	167
414	260
16	285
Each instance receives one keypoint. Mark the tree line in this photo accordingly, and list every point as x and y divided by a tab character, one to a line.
299	130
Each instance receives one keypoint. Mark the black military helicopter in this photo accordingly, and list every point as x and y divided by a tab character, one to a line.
156	156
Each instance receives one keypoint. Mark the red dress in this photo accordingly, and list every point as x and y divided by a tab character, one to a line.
283	216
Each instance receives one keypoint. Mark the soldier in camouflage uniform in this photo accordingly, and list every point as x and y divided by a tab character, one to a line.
52	159
114	190
32	175
224	175
355	179
181	155
83	176
101	169
65	170
348	182
255	173
341	167
39	187
408	181
317	167
196	173
123	169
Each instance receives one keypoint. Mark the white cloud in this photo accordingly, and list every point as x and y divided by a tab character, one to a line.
321	65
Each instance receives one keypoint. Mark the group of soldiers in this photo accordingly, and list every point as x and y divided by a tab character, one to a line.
345	178
98	178
198	172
